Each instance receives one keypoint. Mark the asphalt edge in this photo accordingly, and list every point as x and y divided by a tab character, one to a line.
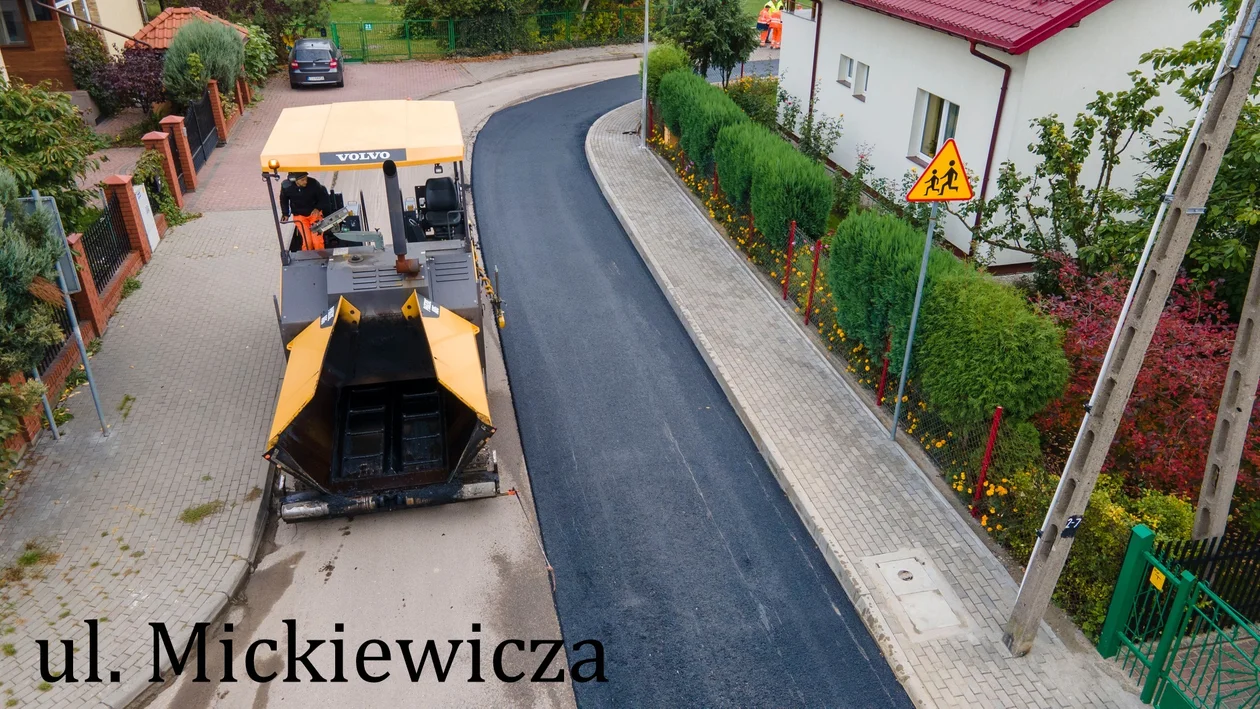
844	569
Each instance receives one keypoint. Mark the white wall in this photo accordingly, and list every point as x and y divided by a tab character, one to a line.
903	58
119	15
1065	72
1059	76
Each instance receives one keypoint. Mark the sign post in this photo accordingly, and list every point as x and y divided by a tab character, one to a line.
943	180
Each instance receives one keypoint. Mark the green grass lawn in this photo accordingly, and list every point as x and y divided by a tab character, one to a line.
365	12
752	7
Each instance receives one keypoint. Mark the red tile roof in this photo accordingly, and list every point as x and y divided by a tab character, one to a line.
161	30
1013	26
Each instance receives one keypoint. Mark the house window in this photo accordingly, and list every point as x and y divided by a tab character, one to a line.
12	30
847	70
862	80
936	123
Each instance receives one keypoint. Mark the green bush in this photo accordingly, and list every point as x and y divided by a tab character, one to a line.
260	55
791	188
702	118
88	57
873	274
662	59
677	89
46	145
757	96
740	150
222	54
982	346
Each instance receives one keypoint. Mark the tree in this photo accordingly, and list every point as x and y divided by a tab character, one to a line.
28	252
1227	234
45	145
714	33
1059	206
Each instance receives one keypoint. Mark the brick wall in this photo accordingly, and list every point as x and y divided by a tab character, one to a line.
159	141
175	126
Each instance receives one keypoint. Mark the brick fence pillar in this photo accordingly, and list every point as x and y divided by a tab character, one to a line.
175	126
242	94
119	187
87	302
156	140
216	107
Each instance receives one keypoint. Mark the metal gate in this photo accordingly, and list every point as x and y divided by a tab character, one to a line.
1184	645
203	138
106	245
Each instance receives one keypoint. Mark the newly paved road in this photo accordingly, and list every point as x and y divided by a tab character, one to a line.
671	541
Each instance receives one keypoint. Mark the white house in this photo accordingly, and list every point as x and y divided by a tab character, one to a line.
908	74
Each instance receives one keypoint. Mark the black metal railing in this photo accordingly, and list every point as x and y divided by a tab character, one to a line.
1229	564
106	246
53	351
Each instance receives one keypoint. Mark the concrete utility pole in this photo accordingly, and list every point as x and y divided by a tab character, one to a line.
1165	248
1233	416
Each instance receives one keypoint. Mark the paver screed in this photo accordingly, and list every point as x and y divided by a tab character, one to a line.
195	356
857	491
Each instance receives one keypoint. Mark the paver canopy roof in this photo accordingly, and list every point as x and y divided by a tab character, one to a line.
1014	26
161	29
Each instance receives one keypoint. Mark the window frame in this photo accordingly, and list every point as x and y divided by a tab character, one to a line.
946	124
23	28
848	69
861	81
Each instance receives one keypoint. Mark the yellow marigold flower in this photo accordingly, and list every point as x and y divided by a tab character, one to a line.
984	520
998	527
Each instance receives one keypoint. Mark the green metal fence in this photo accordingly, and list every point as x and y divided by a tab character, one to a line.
490	34
1183	645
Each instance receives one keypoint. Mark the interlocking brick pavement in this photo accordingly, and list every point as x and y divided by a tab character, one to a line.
197	349
858	492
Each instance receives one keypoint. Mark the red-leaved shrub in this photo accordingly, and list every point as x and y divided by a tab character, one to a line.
1163	439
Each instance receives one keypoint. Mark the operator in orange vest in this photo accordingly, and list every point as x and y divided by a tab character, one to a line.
302	196
763	23
776	28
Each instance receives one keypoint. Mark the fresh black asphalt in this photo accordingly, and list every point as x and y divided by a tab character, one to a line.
672	543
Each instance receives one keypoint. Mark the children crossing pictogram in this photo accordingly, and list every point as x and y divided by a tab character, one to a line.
943	180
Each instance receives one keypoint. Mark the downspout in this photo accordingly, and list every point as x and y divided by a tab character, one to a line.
813	72
997	123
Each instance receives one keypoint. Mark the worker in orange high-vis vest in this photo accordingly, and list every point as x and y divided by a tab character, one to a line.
776	28
763	23
303	197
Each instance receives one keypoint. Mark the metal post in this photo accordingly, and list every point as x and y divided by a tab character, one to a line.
275	214
1172	630
714	191
984	463
48	410
813	277
1141	540
1165	248
78	340
787	265
914	319
883	377
644	127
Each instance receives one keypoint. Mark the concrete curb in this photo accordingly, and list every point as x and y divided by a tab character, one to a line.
209	611
844	569
577	61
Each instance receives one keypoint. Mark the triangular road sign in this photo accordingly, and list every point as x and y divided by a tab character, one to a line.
943	180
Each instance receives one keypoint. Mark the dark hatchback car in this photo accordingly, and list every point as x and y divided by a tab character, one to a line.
314	62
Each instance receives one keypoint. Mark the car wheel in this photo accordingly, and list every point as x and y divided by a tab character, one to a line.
341	84
293	84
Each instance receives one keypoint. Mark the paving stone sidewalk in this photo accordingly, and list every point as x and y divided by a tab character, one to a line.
859	493
194	362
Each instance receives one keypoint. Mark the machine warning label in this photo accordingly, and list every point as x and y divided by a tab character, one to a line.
429	309
366	156
327	318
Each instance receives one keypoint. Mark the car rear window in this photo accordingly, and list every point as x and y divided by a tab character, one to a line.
308	54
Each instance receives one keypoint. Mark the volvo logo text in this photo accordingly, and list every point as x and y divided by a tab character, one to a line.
358	158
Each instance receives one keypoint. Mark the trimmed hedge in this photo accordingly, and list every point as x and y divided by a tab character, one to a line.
662	59
983	347
220	53
757	168
979	344
873	274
